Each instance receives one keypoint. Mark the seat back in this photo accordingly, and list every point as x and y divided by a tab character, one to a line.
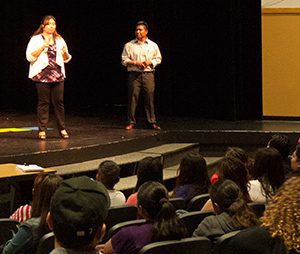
258	208
254	240
178	203
220	246
8	228
117	214
192	245
193	219
113	230
197	202
46	244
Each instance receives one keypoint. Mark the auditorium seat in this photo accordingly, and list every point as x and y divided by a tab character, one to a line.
46	244
8	228
178	203
117	214
197	202
254	240
193	219
192	245
114	229
221	244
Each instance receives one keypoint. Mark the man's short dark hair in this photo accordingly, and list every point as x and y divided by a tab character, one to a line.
110	173
142	23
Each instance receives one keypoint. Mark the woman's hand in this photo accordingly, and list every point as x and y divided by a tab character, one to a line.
64	52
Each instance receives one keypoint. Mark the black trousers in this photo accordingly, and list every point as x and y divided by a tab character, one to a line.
53	92
137	82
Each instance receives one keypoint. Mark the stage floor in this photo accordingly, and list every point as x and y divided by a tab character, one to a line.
18	132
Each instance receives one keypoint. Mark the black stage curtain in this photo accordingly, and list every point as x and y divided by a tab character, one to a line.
211	54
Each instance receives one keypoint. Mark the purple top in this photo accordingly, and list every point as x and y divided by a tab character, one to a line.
130	240
187	191
52	73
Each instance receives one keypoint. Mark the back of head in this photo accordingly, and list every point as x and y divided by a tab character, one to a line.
268	169
238	153
153	198
282	216
227	197
78	210
282	143
149	169
44	187
224	193
108	174
193	170
233	169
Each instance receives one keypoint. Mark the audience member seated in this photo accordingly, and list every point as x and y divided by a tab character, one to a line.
267	174
162	222
282	216
109	175
295	161
23	213
282	143
233	169
148	169
238	153
30	232
77	213
232	211
192	179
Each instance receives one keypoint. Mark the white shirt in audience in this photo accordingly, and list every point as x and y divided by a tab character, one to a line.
256	192
116	197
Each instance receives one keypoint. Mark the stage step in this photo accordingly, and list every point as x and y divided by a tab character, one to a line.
170	154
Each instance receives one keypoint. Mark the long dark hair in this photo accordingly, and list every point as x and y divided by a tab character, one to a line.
227	195
44	22
233	169
42	198
153	198
269	170
297	151
149	169
193	170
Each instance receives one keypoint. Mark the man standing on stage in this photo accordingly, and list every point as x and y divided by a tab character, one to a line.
141	56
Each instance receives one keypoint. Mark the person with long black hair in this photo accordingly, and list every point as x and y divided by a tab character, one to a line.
267	174
192	179
162	223
27	238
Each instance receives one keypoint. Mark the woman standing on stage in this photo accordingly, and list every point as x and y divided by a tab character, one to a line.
47	52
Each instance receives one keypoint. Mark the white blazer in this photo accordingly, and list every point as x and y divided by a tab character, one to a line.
37	64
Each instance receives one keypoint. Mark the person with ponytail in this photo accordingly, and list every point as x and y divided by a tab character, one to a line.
232	211
161	222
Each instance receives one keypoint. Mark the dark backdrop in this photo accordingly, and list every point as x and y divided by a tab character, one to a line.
211	55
